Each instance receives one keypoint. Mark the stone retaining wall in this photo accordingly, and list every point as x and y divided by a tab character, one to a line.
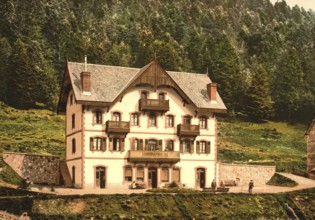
242	174
41	169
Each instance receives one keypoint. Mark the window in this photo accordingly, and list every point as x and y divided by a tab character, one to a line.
144	95
116	144
169	121
73	121
128	174
203	122
152	120
140	174
164	174
73	146
73	174
136	144
176	174
152	145
116	116
97	119
161	96
186	146
97	144
202	149
134	119
169	145
186	120
71	99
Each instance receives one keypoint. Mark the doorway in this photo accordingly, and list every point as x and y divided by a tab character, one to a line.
201	178
152	177
100	178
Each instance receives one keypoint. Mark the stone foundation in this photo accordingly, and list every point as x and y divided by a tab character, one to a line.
242	174
39	169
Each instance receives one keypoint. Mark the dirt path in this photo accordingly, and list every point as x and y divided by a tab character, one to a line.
303	183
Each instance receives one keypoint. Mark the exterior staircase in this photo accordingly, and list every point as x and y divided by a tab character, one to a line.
65	177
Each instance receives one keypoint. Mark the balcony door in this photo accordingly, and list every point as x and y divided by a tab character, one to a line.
201	178
152	177
100	177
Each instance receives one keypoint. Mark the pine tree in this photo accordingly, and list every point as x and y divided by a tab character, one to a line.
288	85
258	104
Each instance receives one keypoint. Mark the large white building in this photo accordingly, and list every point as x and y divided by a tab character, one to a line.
147	125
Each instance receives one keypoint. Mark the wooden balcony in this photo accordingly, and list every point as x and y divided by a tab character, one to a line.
154	105
153	156
188	130
121	127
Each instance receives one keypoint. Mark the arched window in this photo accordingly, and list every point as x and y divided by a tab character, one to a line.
169	121
203	122
116	116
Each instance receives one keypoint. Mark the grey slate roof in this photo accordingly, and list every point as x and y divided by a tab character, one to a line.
108	82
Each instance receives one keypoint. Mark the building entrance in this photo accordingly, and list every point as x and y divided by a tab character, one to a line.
152	177
100	177
201	178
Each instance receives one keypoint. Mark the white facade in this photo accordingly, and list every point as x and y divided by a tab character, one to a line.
149	150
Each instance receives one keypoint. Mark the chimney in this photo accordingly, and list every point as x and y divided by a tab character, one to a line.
212	91
86	82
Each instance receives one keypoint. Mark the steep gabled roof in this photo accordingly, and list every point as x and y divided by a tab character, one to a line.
108	83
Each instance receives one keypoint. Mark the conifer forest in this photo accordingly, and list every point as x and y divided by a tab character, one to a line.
262	56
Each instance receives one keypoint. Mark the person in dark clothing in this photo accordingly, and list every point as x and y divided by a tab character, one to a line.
213	185
250	186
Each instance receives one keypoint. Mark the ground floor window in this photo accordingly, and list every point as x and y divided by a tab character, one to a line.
140	174
165	174
176	174
128	174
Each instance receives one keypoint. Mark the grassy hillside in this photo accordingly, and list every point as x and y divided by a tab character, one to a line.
240	141
32	131
270	143
163	206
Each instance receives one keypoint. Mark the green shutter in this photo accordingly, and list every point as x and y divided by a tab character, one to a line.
140	144
160	145
122	148
103	144
191	147
91	144
197	147
208	147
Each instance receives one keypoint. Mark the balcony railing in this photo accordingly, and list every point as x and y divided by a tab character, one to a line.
154	156
118	127
188	130
154	105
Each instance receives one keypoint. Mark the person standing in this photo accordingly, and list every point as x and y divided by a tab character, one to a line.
250	186
213	185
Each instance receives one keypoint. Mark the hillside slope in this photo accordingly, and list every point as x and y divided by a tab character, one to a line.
240	141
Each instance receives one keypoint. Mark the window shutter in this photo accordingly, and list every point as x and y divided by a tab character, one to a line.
110	144
141	144
132	142
146	144
122	148
91	144
208	147
103	144
94	117
197	147
191	147
160	145
181	147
